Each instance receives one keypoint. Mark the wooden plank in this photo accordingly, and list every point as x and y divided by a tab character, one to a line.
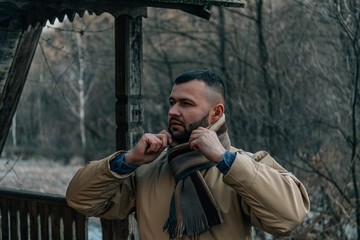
24	223
80	225
4	219
44	221
55	222
8	41
12	205
16	78
68	223
106	228
34	225
120	4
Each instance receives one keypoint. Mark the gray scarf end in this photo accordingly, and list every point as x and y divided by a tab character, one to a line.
189	228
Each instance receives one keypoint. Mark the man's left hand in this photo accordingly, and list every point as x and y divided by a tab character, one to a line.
207	142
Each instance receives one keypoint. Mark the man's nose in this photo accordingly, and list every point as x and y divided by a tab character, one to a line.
174	110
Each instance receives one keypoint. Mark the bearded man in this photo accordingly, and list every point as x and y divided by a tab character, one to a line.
188	182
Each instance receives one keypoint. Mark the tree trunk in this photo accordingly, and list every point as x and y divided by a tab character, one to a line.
81	90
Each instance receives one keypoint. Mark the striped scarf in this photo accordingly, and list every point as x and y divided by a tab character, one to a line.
193	209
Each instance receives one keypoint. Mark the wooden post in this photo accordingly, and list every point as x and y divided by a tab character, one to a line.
17	74
129	106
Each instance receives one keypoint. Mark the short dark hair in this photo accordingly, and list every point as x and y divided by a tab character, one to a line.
211	79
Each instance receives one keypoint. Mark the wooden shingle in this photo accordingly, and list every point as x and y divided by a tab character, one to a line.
34	12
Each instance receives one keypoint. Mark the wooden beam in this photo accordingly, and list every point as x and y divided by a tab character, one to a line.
9	39
129	105
39	11
16	78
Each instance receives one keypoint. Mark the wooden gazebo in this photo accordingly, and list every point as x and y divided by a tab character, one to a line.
21	23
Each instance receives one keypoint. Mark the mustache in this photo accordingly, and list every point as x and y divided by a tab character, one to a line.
175	120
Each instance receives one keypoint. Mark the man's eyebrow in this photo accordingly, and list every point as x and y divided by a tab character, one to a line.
181	99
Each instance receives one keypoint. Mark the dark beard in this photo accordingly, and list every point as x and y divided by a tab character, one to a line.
184	137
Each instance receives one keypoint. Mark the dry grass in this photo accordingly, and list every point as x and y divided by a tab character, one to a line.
36	175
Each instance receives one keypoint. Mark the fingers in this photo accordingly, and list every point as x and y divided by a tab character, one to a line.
195	140
148	148
202	139
153	144
207	142
157	142
168	137
198	133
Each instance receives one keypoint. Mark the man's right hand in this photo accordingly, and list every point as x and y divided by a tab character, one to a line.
148	148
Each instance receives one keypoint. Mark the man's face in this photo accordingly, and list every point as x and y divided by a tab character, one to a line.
189	109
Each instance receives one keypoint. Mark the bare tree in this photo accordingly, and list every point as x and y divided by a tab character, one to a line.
292	75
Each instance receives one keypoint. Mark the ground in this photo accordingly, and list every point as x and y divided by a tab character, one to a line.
42	176
39	176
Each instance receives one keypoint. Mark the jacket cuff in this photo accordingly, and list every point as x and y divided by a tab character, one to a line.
119	166
225	164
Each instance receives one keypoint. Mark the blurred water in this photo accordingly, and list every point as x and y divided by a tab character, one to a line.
94	229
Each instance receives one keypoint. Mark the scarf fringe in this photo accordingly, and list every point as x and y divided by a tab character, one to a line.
190	227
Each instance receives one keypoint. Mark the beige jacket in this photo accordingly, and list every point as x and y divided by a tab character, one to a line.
256	191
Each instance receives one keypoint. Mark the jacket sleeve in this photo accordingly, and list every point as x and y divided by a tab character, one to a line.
97	191
273	198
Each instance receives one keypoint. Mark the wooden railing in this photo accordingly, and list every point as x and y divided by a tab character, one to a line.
29	215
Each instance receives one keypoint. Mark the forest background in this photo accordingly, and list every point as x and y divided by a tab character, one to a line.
292	70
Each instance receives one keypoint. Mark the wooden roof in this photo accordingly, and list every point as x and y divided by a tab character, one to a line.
17	15
40	11
18	40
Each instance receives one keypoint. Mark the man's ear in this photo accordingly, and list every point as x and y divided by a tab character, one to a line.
216	112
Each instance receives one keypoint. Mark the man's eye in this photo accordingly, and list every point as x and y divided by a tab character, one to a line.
187	103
